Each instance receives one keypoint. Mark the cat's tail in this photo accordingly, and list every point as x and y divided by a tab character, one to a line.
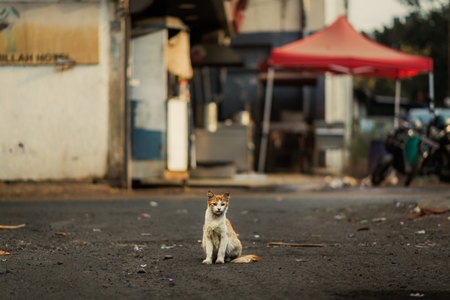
244	259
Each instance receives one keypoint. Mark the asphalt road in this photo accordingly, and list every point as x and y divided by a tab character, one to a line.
148	247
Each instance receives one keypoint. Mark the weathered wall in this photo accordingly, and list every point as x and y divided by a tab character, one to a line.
54	124
272	16
320	13
117	169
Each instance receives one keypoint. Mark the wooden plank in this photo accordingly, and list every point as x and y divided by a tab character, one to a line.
294	245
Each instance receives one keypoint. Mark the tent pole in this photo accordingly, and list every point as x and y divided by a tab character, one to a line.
431	86
266	120
397	103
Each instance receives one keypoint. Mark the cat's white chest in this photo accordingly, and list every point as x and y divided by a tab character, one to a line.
215	227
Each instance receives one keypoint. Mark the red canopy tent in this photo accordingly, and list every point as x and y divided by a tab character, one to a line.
340	49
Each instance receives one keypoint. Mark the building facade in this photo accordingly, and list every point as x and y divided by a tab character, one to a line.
66	110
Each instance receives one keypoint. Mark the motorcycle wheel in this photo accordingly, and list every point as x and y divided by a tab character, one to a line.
382	169
416	170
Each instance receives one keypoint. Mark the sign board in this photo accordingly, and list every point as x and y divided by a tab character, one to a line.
45	33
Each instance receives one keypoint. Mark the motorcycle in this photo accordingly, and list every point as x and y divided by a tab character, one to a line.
401	146
434	150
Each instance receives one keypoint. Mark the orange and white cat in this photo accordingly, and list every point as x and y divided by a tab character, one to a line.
220	241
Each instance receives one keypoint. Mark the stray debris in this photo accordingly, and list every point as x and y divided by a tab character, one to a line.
293	245
427	244
391	179
417	212
431	206
168	257
167	247
128	245
366	182
167	279
257	236
2	252
61	233
144	216
376	220
338	183
419	295
339	217
153	203
334	183
137	248
363	229
420	232
300	260
96	230
145	233
141	269
12	226
349	181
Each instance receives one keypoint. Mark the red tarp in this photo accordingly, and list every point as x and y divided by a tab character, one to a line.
340	49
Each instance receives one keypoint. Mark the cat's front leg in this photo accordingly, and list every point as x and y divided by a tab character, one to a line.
208	248
222	249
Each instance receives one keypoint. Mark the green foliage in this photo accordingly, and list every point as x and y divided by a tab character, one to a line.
411	2
359	145
423	34
362	137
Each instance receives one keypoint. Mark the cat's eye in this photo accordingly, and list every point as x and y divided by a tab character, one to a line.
223	204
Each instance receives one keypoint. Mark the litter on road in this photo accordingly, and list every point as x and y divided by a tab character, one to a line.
272	244
431	206
167	279
376	220
418	295
12	226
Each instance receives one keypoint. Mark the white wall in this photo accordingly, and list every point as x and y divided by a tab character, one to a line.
334	9
338	108
315	14
338	88
263	15
321	13
54	125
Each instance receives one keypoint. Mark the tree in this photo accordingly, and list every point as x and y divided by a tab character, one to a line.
417	4
423	33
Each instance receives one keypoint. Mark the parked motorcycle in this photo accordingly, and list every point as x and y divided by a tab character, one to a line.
401	146
434	150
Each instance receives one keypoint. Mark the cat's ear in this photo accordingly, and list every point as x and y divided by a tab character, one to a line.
210	194
227	195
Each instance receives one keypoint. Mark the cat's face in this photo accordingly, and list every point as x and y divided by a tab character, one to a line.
218	203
